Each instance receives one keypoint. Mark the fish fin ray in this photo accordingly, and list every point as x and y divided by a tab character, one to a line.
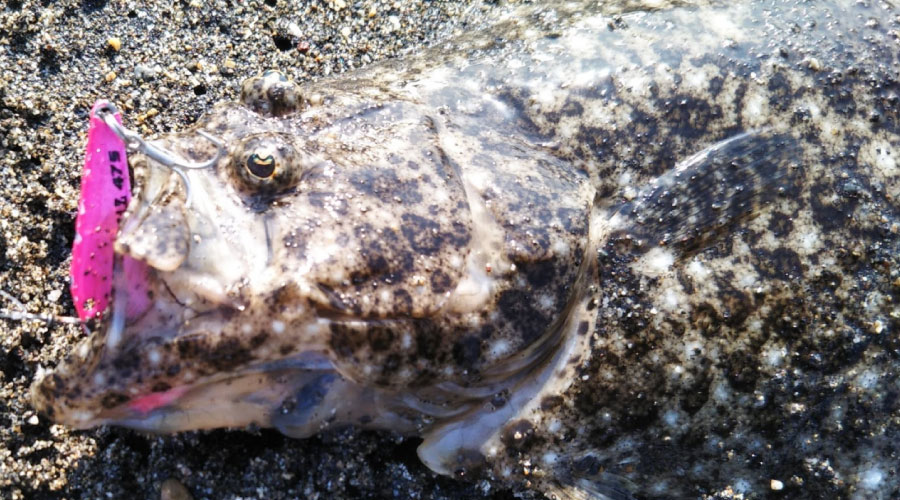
709	192
602	486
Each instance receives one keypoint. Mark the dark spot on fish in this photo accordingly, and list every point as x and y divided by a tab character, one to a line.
787	319
343	341
428	341
706	318
311	394
742	370
781	95
380	337
686	282
517	308
583	327
470	465
518	100
572	108
715	85
781	263
737	306
829	281
588	466
127	361
160	387
696	394
191	346
551	402
386	186
389	367
284	296
440	281
690	116
541	275
828	212
780	224
258	340
403	302
113	400
424	236
467	352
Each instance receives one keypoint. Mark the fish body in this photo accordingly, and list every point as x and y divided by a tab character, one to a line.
631	250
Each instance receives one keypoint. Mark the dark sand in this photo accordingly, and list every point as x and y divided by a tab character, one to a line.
174	61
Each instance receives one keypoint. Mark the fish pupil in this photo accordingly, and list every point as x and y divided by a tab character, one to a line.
261	167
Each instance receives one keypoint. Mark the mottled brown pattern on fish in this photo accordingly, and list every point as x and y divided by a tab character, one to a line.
595	254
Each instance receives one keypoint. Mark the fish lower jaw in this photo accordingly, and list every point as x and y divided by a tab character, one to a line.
215	416
234	402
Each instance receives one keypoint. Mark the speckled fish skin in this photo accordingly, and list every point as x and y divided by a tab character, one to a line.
648	251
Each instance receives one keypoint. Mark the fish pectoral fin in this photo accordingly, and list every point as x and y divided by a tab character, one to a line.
600	486
709	192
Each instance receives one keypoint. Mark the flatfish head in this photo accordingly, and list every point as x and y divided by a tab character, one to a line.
326	272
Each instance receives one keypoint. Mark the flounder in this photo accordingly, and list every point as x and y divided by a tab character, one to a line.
609	251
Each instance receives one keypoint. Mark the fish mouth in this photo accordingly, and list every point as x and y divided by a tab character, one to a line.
135	369
158	365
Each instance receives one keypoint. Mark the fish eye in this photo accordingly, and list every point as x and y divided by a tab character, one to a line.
271	94
261	166
266	164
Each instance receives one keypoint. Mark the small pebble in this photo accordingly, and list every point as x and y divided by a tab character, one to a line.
813	63
54	295
115	43
776	485
394	23
110	76
146	72
172	489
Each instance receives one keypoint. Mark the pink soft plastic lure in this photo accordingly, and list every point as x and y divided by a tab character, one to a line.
105	193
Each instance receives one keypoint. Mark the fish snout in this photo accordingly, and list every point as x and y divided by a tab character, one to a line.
59	393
